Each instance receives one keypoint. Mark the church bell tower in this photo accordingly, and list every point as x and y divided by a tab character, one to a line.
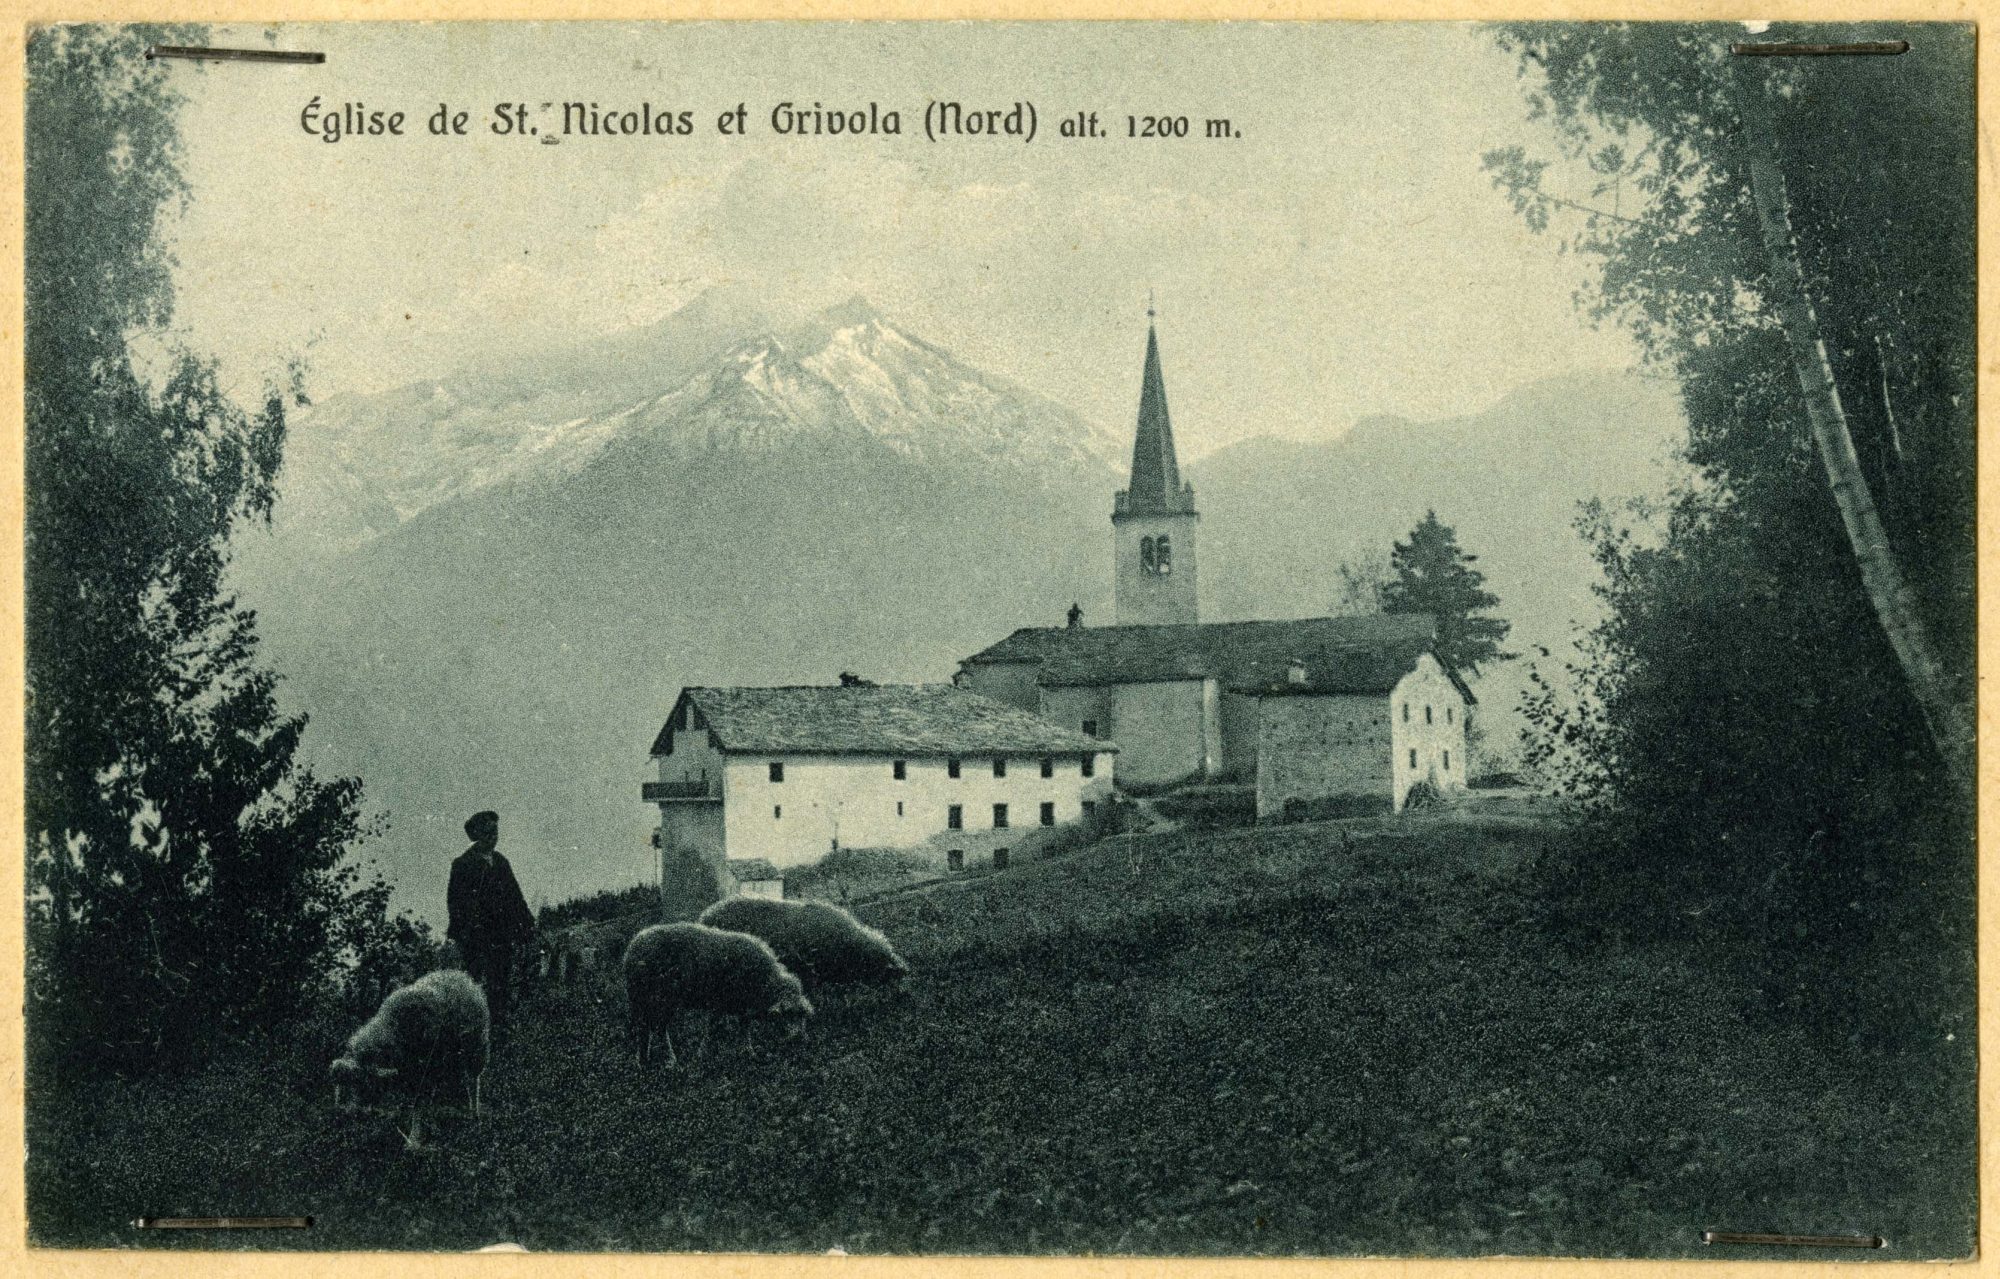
1153	519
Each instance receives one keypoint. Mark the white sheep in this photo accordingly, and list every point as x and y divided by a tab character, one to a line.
674	968
819	941
428	1038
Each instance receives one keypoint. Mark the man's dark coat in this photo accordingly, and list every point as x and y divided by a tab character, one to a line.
484	902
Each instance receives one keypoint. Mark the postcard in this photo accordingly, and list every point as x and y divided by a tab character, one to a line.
1186	639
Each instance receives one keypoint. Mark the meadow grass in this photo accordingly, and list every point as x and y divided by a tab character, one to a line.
1273	1041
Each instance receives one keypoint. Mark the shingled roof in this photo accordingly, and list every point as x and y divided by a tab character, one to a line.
890	719
1341	654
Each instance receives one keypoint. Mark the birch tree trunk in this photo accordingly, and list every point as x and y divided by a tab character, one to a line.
1947	718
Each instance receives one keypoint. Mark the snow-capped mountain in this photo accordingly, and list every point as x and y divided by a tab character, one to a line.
717	375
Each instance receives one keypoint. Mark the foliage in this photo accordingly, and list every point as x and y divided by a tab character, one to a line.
1432	575
1738	725
1358	582
1211	808
187	877
851	872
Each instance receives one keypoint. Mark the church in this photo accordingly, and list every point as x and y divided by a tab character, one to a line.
1305	710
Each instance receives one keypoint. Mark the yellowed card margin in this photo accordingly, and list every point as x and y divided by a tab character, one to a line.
15	1258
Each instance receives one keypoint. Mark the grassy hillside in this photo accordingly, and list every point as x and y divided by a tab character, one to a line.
1256	1042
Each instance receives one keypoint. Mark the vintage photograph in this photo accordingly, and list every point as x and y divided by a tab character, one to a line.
1156	638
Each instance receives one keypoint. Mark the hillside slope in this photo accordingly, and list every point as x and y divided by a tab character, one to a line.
1250	1044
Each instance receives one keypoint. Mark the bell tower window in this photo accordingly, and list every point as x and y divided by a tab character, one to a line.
1147	563
1163	555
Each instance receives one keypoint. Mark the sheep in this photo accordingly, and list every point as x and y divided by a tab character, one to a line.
428	1037
672	968
822	943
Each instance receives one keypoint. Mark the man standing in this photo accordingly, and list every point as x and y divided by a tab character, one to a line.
488	915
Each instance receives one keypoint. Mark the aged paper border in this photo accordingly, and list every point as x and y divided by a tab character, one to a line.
15	1258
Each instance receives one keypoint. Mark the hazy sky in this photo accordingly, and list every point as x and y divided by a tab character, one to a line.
1345	256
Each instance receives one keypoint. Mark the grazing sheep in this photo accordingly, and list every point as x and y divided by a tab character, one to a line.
819	941
673	968
428	1038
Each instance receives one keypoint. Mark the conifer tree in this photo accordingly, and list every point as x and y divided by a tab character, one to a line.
1433	575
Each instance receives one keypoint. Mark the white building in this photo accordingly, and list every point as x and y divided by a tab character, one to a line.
791	774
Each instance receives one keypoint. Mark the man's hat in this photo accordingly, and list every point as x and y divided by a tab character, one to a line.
486	822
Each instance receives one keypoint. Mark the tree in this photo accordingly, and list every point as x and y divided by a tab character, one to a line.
1432	575
186	875
1358	582
1741	716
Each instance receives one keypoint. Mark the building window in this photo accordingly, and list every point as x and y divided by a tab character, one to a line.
954	860
1090	765
1146	561
899	808
1048	767
902	768
951	768
954	817
777	812
777	771
1090	728
999	817
1406	712
1163	556
999	859
999	766
1447	714
1413	759
1048	814
1447	761
1427	714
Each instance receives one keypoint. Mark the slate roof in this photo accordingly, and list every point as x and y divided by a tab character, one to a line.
1156	487
1341	654
913	720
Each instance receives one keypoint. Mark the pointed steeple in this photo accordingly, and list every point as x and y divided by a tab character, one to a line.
1156	486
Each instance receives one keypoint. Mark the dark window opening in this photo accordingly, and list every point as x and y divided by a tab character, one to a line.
1447	714
902	769
1090	728
777	771
999	859
999	767
1406	712
951	768
1048	767
899	808
1090	765
954	817
1146	561
1163	556
777	811
1427	714
999	817
1413	759
1048	814
954	860
1447	761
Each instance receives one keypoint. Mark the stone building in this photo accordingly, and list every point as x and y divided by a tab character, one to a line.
788	775
1303	709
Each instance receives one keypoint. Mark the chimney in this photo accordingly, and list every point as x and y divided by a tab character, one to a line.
1296	672
1075	615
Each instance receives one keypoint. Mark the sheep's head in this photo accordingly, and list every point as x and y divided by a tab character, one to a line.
357	1084
791	1011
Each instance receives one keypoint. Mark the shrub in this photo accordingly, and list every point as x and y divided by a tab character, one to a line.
1422	795
1329	807
1218	809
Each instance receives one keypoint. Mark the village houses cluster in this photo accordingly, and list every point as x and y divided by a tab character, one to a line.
1037	730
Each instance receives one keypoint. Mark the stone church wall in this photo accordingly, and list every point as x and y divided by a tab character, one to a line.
1318	746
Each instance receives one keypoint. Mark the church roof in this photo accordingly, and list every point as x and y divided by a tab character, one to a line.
887	719
1341	654
1156	487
